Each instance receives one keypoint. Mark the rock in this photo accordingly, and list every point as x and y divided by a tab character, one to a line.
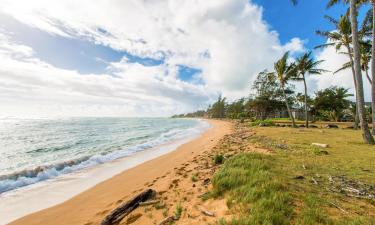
300	177
302	125
206	181
320	145
323	153
330	126
313	126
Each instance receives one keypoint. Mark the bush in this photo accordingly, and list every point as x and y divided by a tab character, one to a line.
263	123
218	159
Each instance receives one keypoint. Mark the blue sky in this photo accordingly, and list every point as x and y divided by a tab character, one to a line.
301	20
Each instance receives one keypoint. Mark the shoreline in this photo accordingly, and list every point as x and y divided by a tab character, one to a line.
93	201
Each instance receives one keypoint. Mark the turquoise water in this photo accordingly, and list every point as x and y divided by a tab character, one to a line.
33	150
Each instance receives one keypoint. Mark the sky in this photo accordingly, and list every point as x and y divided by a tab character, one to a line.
150	58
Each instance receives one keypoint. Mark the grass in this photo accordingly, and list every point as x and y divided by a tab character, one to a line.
178	211
262	189
194	177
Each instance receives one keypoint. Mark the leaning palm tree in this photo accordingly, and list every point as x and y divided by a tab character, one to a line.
284	72
353	10
340	38
367	137
307	65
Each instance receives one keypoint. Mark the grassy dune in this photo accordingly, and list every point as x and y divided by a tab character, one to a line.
299	183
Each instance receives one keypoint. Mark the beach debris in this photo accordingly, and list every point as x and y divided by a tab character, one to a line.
338	207
320	145
152	202
132	218
168	220
299	177
126	208
330	126
207	213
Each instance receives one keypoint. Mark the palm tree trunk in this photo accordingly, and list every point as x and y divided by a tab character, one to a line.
373	69
368	77
306	108
288	108
367	136
356	115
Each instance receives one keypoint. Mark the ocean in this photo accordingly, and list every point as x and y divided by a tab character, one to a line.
35	150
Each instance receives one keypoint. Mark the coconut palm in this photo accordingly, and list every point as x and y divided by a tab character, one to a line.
284	71
367	137
306	65
340	38
365	49
353	10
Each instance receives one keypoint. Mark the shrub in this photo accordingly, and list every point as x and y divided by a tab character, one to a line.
263	123
218	159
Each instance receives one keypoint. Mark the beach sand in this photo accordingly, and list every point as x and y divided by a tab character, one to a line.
170	175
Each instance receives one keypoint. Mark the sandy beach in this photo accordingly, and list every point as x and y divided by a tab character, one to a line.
91	206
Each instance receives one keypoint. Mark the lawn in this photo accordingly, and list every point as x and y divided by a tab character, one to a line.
300	183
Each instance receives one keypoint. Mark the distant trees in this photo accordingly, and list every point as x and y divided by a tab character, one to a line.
268	95
217	110
330	103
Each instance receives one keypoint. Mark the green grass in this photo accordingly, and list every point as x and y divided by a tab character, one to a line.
178	211
248	180
194	178
261	189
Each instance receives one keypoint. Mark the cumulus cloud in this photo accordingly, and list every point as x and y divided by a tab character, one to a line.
227	40
332	62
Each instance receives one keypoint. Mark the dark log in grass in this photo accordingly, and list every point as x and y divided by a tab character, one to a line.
126	208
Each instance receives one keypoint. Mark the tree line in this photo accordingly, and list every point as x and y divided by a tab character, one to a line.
351	37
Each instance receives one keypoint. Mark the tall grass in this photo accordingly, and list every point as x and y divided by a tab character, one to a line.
248	182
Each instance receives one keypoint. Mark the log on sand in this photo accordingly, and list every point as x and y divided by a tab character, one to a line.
126	208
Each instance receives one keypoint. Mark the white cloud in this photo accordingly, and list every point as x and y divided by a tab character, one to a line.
332	62
228	40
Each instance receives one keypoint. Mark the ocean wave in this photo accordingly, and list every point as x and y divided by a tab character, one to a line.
27	177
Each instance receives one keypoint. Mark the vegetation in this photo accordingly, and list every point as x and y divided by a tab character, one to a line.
218	159
299	183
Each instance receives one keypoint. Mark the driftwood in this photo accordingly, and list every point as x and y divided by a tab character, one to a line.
207	213
149	203
167	220
341	209
126	208
320	145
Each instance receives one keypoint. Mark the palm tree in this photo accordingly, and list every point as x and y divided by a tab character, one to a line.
367	137
373	67
365	49
284	72
341	38
353	10
306	65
